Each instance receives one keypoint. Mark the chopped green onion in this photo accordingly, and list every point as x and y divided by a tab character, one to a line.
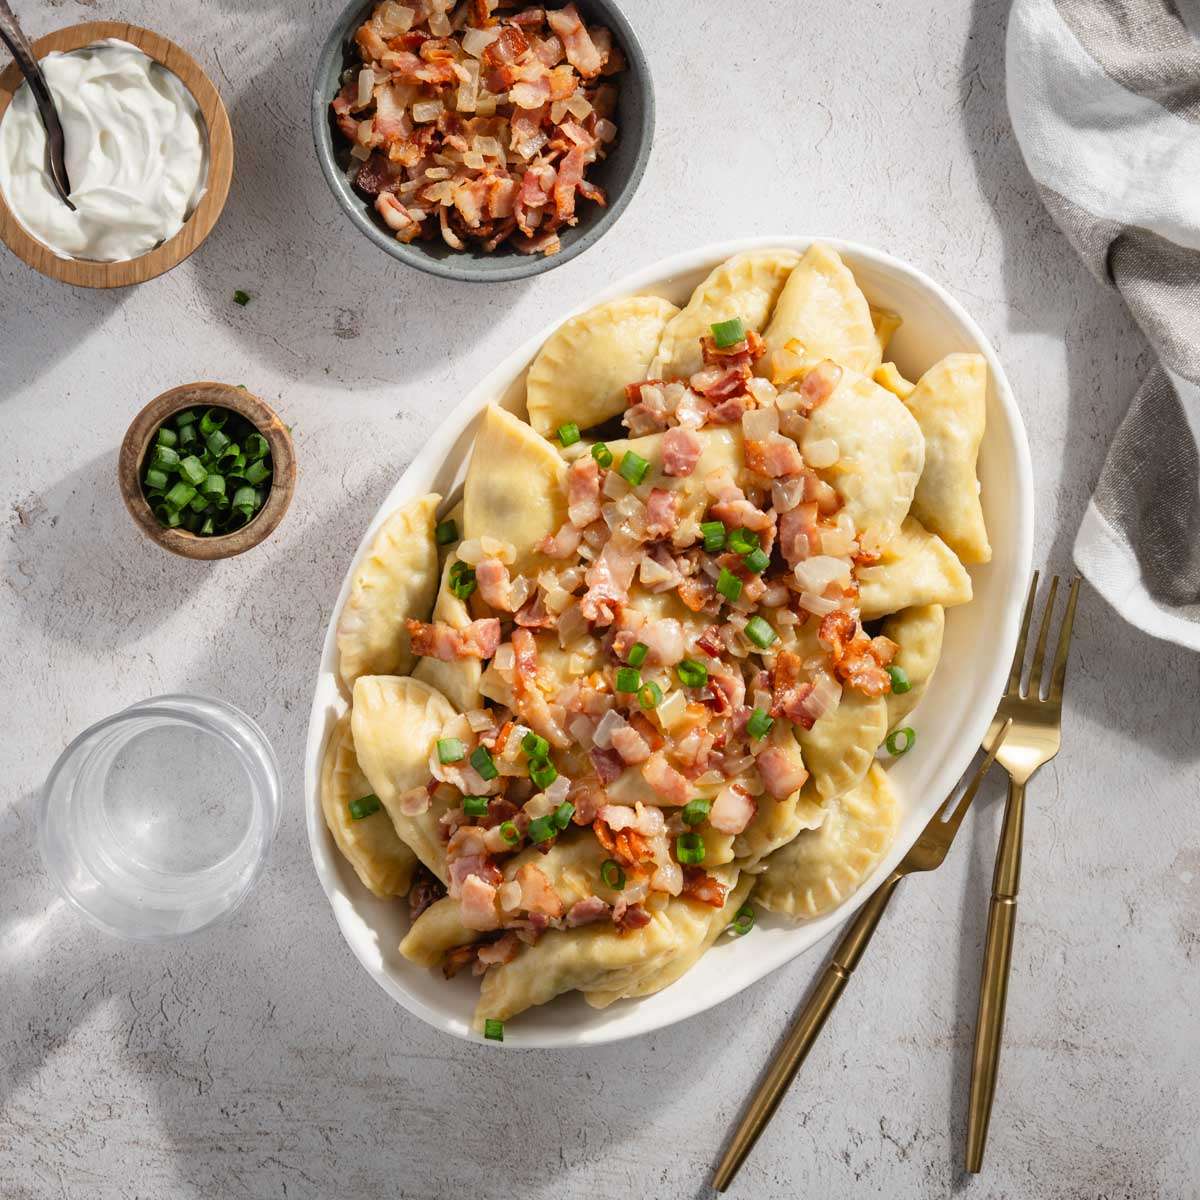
188	436
613	874
543	772
199	504
213	485
233	452
633	467
257	472
180	496
637	654
689	848
475	806
481	760
213	419
156	478
900	680
364	807
257	446
900	741
568	434
535	746
758	560
445	533
192	470
563	814
729	585
166	437
602	454
462	579
650	695
206	527
493	1030
743	921
187	417
760	633
728	333
510	833
696	811
242	298
450	750
742	541
691	673
542	829
217	443
714	534
165	459
169	517
245	500
628	680
759	724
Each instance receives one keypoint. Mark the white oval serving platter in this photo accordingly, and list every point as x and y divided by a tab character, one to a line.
950	721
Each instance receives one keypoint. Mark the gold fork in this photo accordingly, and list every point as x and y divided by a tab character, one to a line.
927	853
1034	734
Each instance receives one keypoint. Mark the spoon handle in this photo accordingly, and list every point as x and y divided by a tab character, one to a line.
14	38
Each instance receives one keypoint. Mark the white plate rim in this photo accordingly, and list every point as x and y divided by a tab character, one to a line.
453	429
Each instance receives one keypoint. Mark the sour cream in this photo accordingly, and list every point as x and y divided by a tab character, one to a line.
136	154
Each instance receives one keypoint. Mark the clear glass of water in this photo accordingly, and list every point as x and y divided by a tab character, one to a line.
157	821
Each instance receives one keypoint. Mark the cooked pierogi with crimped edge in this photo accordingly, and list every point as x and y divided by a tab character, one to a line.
823	310
745	288
819	869
395	581
653	688
366	838
949	402
580	374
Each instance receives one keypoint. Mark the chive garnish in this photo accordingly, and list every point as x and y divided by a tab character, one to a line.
757	560
760	633
729	585
900	741
628	680
543	772
637	654
691	673
535	746
602	454
714	536
568	434
493	1030
728	333
743	541
475	806
450	750
240	297
542	829
650	695
743	921
696	811
759	724
689	848
900	681
633	467
613	874
481	760
364	807
445	533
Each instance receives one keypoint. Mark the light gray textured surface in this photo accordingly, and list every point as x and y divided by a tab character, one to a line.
259	1060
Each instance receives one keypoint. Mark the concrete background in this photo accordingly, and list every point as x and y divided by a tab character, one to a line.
259	1060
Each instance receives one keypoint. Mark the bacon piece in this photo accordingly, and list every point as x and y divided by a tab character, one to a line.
570	174
506	49
732	810
781	770
741	354
730	687
580	49
669	785
731	506
697	592
584	912
661	518
563	544
799	535
537	893
681	450
530	93
426	889
479	639
633	916
699	885
477	904
608	764
533	615
710	642
495	586
789	691
775	457
583	492
630	745
858	660
503	949
664	641
608	579
628	845
459	957
530	701
721	384
373	176
819	384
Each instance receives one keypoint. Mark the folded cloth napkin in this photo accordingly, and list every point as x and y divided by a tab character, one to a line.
1104	97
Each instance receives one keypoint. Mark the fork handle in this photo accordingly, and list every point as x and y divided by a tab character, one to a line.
804	1033
993	985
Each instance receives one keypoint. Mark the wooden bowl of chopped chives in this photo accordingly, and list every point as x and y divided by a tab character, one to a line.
207	470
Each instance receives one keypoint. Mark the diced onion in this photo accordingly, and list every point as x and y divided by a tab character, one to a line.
787	493
474	160
609	724
759	423
817	605
506	658
439	25
509	896
506	552
615	486
476	41
838	542
558	110
821	452
605	130
479	719
394	18
816	574
572	625
580	728
579	106
366	85
426	110
435	173
672	710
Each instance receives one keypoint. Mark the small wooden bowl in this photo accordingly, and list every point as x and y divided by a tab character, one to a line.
200	396
86	272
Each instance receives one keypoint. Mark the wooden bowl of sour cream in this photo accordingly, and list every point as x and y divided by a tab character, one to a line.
85	272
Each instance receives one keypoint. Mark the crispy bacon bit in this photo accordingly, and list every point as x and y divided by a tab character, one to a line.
479	639
669	785
732	810
741	354
731	506
630	745
426	889
531	702
775	457
495	586
799	535
789	690
537	893
563	544
628	845
580	49
583	492
608	764
697	592
699	885
503	949
477	904
459	957
681	450
585	912
781	770
634	916
660	513
819	384
721	384
533	615
608	579
858	661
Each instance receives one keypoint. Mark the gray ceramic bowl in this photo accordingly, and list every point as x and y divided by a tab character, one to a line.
618	174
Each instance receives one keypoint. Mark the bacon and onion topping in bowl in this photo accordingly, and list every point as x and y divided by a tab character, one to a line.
476	123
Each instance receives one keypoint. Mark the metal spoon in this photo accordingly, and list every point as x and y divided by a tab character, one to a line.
14	38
